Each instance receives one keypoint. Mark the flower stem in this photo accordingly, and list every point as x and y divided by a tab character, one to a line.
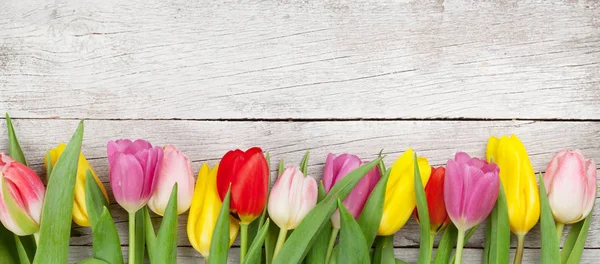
431	240
334	233
132	238
520	247
244	241
280	241
36	236
559	231
459	246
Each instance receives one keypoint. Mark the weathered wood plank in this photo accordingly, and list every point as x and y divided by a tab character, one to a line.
187	255
209	140
300	59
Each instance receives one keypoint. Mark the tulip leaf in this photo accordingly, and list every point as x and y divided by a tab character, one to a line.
352	241
550	250
25	222
149	235
384	250
92	261
399	261
578	246
370	218
254	252
270	242
24	256
498	232
8	248
423	212
140	236
94	198
55	228
442	255
167	233
14	148
318	250
300	241
219	244
105	238
304	163
281	168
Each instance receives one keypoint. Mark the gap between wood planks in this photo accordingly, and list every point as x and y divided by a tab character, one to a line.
377	119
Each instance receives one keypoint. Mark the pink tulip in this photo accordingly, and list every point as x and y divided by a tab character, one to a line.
470	190
134	168
338	167
292	197
21	208
175	168
570	182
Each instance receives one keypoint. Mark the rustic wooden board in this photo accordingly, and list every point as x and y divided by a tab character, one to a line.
300	59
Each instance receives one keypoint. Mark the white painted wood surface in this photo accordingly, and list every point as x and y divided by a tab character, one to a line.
329	76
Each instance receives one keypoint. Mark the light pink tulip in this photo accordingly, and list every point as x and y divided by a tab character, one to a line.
26	191
571	186
175	168
470	190
292	197
336	167
134	168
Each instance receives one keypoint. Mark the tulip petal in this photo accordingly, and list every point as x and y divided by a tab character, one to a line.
127	181
484	187
567	202
329	173
230	163
590	190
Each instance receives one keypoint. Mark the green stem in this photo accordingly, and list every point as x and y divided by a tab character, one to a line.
431	240
244	241
132	238
520	247
559	231
280	241
459	246
334	234
36	236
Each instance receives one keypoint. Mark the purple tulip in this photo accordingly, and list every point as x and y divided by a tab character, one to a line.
336	167
470	190
134	168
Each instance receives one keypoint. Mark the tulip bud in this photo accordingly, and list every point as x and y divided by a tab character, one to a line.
248	174
471	188
175	168
336	168
519	182
134	168
292	197
204	212
400	198
434	191
80	215
21	197
570	182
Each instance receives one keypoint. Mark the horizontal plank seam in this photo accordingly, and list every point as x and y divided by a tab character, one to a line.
350	119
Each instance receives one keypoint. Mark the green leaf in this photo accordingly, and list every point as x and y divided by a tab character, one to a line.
149	235
423	212
335	253
95	200
25	256
219	246
442	255
499	232
304	163
8	247
105	239
254	253
399	261
140	236
270	242
384	250
167	233
352	241
14	148
550	250
92	261
281	168
370	218
301	240
318	250
55	228
578	246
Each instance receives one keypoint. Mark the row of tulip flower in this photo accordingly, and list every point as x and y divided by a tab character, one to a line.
364	203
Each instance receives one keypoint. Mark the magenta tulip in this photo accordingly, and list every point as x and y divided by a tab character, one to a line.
470	189
21	206
571	186
134	168
175	168
336	167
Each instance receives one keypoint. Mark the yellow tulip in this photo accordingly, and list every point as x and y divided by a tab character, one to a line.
205	211
80	216
400	197
518	180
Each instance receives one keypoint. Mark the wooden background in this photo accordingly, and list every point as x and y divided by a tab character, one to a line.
329	76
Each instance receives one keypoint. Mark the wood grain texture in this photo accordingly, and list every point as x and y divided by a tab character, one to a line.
207	141
283	59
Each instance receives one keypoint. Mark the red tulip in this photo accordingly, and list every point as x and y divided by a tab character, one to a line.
248	174
434	191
